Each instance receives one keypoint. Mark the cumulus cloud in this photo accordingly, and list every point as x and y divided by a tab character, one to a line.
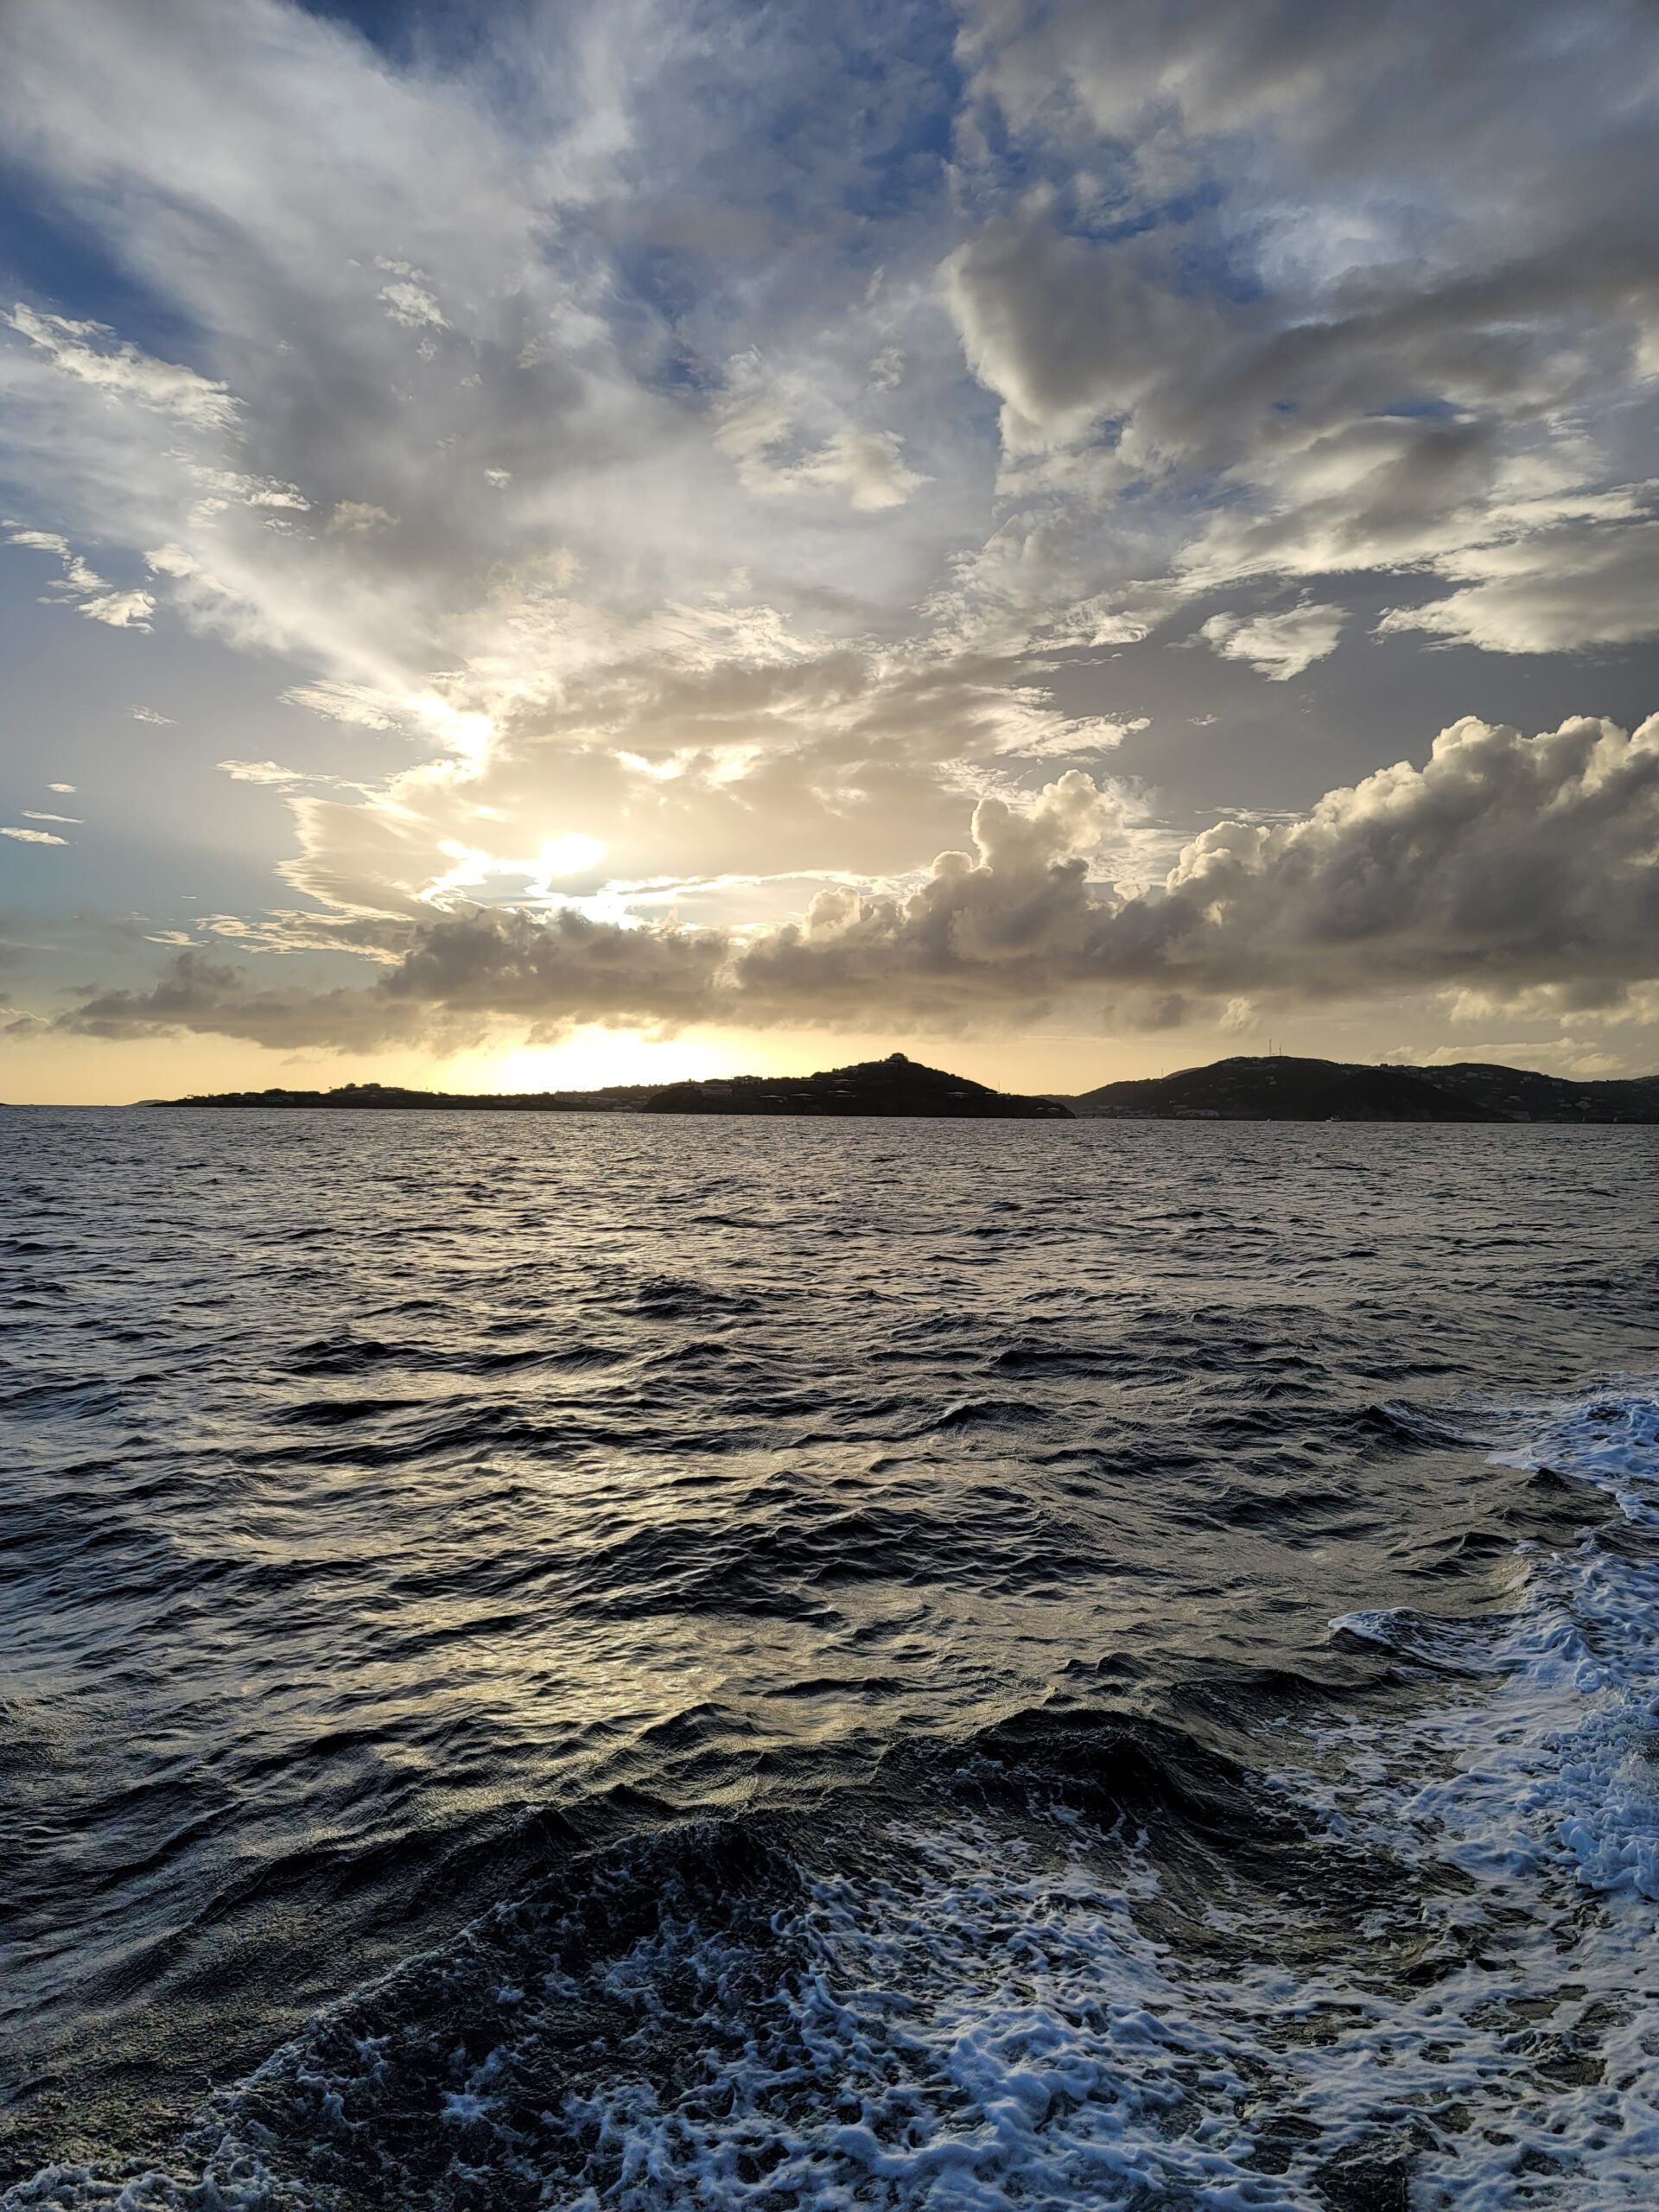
1505	864
1278	646
1511	861
1520	861
566	968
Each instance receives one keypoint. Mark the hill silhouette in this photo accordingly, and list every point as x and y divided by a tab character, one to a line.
1281	1089
894	1087
1273	1088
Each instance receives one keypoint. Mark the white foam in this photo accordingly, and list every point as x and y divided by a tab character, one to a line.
998	2025
237	2182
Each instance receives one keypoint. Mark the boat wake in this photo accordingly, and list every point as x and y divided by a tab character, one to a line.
1343	1955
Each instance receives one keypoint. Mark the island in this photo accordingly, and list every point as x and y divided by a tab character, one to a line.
1278	1088
1271	1087
894	1088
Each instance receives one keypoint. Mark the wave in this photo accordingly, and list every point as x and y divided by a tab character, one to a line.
1378	1949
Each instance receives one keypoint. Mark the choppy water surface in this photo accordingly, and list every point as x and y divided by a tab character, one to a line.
598	1662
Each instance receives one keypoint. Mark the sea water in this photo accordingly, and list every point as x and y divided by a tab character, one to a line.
597	1662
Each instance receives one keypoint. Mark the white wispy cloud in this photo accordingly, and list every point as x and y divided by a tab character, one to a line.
407	299
346	703
82	586
269	772
1279	645
92	354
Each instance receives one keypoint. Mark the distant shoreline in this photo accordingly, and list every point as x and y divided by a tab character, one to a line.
890	1090
1244	1089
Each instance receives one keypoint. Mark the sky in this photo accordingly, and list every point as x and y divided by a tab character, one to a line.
552	542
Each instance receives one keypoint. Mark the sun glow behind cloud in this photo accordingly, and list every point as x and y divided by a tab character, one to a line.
593	1058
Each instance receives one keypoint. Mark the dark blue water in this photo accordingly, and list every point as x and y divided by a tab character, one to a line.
597	1663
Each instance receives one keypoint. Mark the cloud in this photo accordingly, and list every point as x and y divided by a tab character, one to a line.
1066	329
50	541
757	428
1278	646
744	759
268	772
1505	861
92	353
1561	587
867	466
346	703
1521	862
32	837
358	515
752	514
408	301
460	978
1507	865
197	994
565	968
34	814
121	610
1255	304
82	585
149	714
1408	277
65	789
1259	298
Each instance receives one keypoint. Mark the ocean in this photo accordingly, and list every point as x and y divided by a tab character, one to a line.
583	1662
